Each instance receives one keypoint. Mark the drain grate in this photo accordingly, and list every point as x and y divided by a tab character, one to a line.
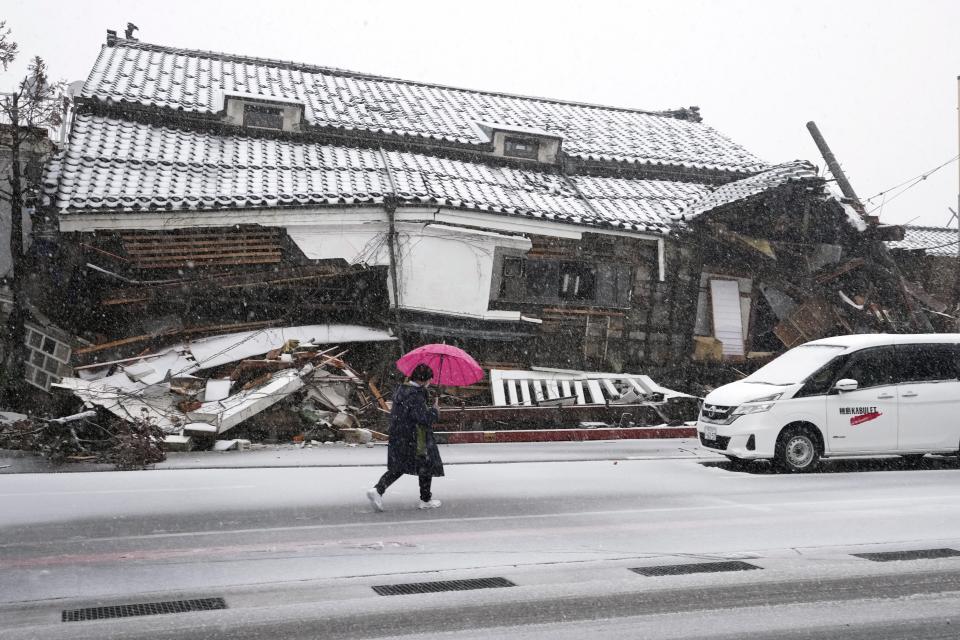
444	585
916	554
699	567
143	609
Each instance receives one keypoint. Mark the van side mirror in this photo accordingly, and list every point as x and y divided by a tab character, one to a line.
846	384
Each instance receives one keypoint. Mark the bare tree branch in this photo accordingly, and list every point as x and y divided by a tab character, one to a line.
8	48
27	115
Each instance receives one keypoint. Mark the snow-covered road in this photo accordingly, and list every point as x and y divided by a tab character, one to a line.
262	536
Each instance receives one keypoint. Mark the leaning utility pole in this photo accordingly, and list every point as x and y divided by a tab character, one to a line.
390	205
845	187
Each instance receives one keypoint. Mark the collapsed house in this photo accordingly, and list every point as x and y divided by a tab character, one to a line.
204	193
785	261
929	260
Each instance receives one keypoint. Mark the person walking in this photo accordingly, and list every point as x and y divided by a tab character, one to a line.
412	448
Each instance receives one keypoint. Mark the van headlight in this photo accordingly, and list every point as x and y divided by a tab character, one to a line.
757	406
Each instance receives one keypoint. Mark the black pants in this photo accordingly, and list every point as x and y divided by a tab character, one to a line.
390	477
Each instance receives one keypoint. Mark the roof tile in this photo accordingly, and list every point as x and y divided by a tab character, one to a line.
116	165
933	241
195	82
739	190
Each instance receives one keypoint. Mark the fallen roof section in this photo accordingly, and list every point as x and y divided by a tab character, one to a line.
193	356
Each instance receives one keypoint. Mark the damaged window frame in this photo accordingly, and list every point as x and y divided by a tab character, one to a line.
542	281
577	281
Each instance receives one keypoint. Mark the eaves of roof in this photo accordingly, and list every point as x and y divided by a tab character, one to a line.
118	166
392	138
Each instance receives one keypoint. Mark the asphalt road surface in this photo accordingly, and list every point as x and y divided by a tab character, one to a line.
295	553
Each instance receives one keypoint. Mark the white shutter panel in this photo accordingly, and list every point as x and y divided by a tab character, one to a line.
727	322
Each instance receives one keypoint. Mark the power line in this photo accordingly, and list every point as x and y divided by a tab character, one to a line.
908	184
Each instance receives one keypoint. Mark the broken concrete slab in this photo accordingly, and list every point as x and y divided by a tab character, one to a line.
357	436
178	443
217	389
139	370
229	412
231	445
199	427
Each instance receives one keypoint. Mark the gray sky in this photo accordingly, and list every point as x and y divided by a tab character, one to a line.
879	77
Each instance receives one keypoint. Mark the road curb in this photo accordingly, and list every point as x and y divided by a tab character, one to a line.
564	435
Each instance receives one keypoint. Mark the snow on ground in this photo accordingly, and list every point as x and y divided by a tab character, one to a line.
70	534
341	455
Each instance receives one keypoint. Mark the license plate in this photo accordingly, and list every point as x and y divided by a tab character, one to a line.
709	433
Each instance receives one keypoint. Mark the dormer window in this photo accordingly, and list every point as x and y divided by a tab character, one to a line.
521	148
255	111
262	117
521	143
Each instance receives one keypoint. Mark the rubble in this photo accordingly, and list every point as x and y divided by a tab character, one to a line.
196	391
231	445
564	399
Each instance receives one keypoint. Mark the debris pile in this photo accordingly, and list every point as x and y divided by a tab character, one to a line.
271	380
566	399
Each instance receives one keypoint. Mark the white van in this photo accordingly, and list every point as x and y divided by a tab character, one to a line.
859	395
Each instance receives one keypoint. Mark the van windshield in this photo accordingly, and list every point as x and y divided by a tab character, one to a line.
795	365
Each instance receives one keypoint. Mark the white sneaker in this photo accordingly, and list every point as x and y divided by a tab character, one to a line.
375	499
432	504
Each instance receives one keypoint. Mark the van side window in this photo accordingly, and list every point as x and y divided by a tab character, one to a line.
927	362
822	380
872	367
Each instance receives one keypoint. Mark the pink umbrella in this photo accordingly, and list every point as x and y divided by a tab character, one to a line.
451	366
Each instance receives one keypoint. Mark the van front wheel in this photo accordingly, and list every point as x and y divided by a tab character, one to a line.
797	451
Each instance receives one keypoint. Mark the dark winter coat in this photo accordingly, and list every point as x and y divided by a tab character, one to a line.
411	409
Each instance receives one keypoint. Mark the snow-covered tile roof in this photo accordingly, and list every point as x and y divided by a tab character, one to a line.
119	165
796	171
934	241
196	81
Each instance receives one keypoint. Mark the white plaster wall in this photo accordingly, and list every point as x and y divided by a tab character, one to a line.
440	268
355	243
445	269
